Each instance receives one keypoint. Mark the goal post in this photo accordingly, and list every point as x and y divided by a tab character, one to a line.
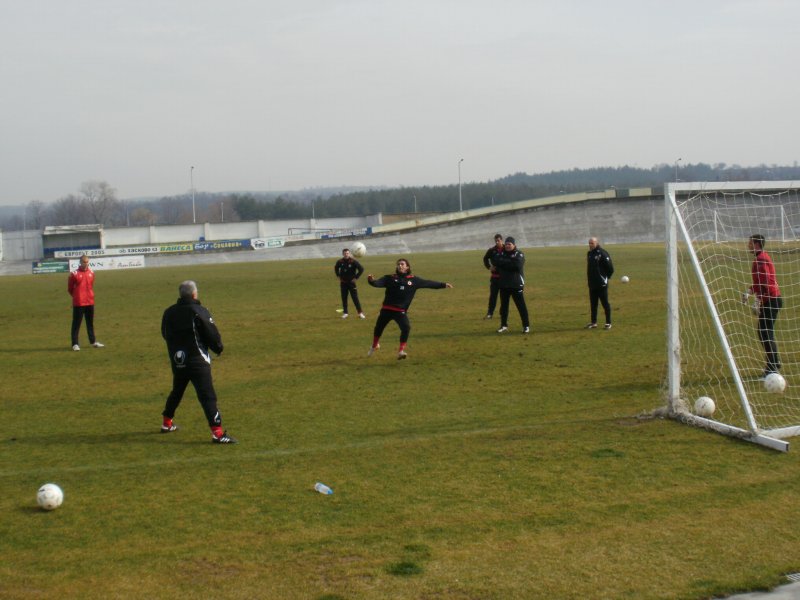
713	338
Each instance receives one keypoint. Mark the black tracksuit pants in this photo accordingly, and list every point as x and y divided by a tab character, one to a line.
200	377
78	313
599	295
387	316
766	332
349	287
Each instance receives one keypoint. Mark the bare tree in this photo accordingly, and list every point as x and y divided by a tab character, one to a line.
71	210
35	214
142	216
102	202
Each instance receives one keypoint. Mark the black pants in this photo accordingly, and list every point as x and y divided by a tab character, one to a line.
349	287
766	331
200	376
78	312
494	290
519	301
401	318
599	295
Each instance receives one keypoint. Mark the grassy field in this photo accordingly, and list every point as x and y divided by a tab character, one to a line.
484	466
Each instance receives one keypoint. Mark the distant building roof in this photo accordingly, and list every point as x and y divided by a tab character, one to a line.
67	229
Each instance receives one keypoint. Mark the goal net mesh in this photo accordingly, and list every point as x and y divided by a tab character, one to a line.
719	224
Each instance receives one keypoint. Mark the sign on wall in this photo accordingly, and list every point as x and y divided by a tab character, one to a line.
104	263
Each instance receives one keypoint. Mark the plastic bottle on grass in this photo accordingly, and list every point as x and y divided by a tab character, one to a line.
323	489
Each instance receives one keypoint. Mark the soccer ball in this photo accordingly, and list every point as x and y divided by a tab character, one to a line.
49	496
625	279
704	407
358	249
774	383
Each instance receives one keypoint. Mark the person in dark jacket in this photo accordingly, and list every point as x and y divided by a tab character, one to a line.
348	269
191	336
599	270
510	266
400	289
494	278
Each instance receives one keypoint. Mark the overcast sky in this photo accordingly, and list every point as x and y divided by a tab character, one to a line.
285	95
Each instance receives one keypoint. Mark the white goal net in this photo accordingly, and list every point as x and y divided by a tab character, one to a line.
714	346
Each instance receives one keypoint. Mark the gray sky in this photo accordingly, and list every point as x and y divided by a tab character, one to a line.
284	95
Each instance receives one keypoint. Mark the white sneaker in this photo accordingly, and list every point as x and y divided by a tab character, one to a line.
372	350
526	330
362	316
76	348
345	315
607	326
401	355
503	329
487	317
98	345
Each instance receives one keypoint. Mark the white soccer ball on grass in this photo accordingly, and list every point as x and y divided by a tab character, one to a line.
49	496
358	249
774	383
704	407
625	279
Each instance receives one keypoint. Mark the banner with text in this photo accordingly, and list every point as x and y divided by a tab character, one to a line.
266	243
103	263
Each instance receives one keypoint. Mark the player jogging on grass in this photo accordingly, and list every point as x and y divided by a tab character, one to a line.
400	289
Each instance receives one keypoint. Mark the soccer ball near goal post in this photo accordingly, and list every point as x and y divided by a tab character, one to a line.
774	383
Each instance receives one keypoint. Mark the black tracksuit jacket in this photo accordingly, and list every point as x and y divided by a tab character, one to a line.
190	333
400	289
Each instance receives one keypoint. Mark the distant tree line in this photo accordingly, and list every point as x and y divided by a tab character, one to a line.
97	201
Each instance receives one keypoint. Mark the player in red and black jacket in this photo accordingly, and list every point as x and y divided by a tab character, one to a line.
769	300
348	269
494	278
400	289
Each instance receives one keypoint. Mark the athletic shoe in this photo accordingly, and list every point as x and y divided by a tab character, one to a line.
487	317
345	315
502	329
76	348
98	345
362	316
607	326
401	355
526	330
170	429
591	326
372	350
223	439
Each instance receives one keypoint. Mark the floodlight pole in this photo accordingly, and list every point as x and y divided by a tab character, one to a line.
191	187
460	205
677	160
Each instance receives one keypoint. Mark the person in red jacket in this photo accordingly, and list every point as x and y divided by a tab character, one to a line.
768	301
81	287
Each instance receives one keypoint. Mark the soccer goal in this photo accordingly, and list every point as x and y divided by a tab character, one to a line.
713	346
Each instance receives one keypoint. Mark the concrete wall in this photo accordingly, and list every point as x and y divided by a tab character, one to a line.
562	221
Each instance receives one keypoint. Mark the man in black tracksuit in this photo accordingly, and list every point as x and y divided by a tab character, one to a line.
494	278
400	289
190	333
599	270
348	269
510	265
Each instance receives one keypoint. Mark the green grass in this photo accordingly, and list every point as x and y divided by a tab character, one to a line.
484	466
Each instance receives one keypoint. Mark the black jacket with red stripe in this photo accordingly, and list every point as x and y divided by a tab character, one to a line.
400	289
